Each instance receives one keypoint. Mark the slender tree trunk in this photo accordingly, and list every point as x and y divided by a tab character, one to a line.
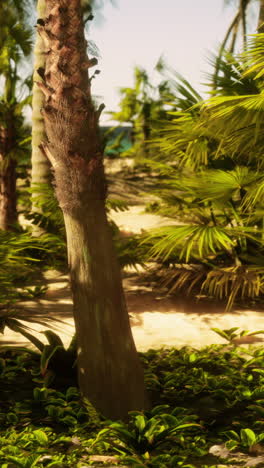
261	17
243	8
8	195
109	371
110	374
40	173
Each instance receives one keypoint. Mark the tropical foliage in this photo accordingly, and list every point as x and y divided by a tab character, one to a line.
206	409
210	157
15	44
142	106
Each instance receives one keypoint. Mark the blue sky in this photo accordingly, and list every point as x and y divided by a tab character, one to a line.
138	32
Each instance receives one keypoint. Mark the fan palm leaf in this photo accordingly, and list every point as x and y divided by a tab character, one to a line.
16	319
225	283
238	124
231	282
255	195
212	184
182	139
231	79
182	93
224	185
238	121
192	240
183	278
254	56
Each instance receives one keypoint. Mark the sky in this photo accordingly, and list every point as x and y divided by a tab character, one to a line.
138	32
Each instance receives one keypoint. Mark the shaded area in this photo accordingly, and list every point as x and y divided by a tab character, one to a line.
156	320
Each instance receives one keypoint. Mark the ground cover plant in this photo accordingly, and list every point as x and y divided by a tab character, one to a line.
206	409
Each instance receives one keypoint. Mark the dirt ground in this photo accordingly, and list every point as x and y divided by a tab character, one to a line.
156	320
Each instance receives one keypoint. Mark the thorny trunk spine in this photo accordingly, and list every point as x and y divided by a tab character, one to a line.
110	373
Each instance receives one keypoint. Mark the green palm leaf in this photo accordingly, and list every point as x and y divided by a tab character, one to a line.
254	56
255	195
190	240
231	282
219	184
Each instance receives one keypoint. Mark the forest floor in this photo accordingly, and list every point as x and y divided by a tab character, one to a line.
157	320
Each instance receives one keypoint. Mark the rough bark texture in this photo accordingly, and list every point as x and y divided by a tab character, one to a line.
40	173
8	197
110	373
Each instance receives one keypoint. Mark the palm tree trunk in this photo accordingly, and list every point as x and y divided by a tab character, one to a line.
8	195
40	173
243	8
110	374
261	17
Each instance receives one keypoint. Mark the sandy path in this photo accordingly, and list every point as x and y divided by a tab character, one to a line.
156	321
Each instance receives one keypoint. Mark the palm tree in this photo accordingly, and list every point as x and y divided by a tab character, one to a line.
40	172
261	17
215	247
140	106
214	184
110	374
15	39
239	23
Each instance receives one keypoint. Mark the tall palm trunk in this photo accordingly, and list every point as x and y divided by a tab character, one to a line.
243	7
8	196
261	17
110	374
40	173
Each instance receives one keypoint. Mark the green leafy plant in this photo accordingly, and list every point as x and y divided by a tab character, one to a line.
246	439
210	251
146	433
230	335
197	397
14	317
33	292
56	358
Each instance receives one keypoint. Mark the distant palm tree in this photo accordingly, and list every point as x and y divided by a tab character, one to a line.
15	42
40	169
239	23
261	17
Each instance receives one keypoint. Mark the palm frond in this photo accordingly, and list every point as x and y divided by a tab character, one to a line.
255	195
182	139
185	96
233	282
188	241
254	56
237	122
17	320
223	185
228	284
230	79
183	278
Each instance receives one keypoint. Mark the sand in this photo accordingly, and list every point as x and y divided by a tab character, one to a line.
156	320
